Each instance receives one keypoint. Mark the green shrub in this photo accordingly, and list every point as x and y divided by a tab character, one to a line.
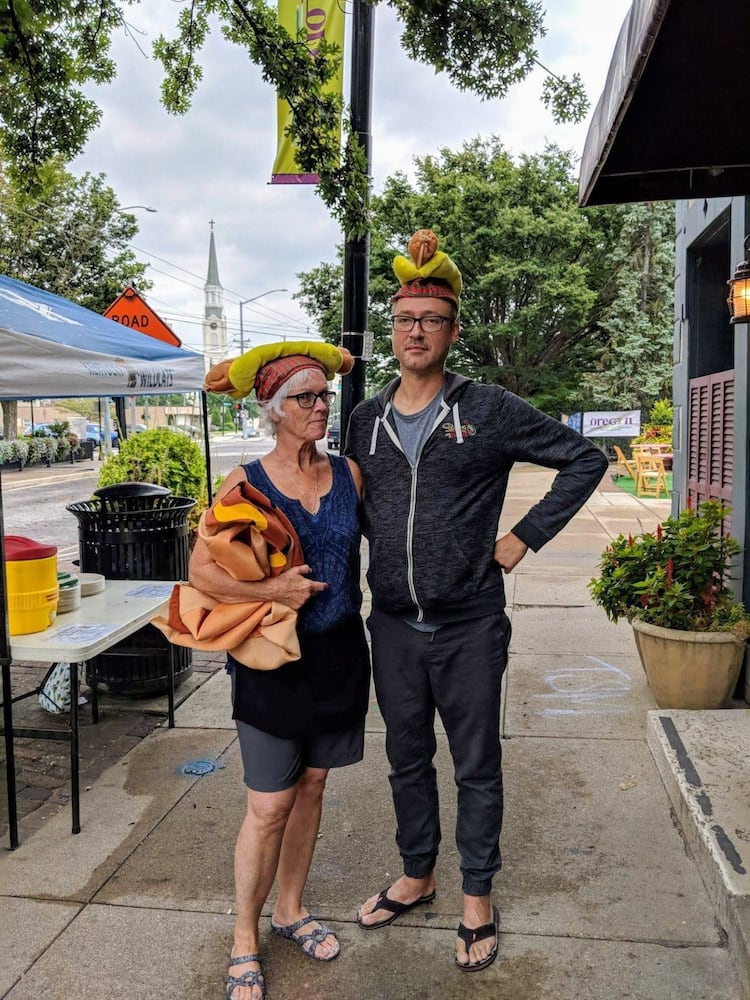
20	451
159	456
163	457
662	412
658	429
38	449
60	428
654	434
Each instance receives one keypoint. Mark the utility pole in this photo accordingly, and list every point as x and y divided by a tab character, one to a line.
357	249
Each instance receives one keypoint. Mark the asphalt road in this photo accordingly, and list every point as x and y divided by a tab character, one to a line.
34	500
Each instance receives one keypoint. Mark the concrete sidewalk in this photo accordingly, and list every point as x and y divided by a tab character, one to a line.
616	883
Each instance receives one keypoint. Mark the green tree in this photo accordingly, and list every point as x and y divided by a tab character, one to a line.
50	49
68	237
525	251
636	310
569	308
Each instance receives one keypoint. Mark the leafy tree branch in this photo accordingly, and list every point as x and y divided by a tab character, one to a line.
50	48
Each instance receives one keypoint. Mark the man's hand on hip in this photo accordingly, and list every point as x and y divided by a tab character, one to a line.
509	551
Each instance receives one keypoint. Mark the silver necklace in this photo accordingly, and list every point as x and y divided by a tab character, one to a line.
304	495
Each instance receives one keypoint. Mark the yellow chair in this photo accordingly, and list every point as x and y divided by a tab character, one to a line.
628	466
651	478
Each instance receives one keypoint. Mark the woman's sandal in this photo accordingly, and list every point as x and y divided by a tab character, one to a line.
470	936
394	907
253	977
308	942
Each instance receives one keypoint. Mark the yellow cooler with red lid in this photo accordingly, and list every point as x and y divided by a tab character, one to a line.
31	580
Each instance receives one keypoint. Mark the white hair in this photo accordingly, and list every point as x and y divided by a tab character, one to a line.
276	402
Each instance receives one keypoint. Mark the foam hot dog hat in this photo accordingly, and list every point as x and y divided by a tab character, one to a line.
267	367
427	271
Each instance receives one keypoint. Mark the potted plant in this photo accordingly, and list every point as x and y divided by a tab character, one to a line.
672	586
658	428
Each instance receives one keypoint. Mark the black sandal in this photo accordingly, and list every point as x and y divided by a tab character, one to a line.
470	936
394	907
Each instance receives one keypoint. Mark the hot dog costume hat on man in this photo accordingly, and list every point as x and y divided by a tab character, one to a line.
427	272
266	368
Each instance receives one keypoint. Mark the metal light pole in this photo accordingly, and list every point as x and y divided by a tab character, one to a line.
146	208
244	302
357	250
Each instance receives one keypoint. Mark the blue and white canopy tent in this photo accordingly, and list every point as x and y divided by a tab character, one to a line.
51	347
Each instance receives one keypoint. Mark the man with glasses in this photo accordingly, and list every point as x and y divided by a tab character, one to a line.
435	450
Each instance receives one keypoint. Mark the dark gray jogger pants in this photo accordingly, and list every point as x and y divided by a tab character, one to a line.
458	669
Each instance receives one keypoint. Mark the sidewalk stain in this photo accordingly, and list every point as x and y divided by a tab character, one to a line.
199	768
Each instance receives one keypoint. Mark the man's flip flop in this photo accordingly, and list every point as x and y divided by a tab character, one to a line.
470	936
384	902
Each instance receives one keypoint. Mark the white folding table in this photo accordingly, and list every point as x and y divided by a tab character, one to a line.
100	622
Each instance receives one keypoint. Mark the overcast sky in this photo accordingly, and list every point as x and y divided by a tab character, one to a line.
215	162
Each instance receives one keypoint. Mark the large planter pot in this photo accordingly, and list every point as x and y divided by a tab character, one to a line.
689	669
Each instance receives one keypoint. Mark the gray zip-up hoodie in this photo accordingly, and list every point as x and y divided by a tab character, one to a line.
432	526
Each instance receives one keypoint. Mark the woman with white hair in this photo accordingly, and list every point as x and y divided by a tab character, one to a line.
298	721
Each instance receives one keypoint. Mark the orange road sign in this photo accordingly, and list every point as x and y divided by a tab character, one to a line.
130	309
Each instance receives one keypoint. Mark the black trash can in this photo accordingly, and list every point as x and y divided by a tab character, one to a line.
136	531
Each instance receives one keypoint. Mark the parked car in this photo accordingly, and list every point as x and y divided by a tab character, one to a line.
95	433
41	430
334	434
49	428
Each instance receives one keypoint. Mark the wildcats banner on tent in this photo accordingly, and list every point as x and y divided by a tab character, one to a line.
312	21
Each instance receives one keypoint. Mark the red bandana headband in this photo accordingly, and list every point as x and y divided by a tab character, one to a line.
274	374
426	289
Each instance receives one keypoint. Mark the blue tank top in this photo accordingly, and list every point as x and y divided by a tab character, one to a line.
330	542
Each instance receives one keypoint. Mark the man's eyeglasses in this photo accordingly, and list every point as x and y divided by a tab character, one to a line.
307	399
429	324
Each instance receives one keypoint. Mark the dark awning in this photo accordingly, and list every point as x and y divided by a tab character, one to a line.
674	118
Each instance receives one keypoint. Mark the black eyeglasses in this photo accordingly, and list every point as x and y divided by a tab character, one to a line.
307	399
429	324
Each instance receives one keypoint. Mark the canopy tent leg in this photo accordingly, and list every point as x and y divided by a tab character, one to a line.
10	756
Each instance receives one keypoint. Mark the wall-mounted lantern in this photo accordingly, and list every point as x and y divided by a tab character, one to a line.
739	290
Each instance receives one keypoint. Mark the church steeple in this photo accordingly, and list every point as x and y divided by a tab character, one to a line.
214	323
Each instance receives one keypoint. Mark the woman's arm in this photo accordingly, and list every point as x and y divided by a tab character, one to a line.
292	587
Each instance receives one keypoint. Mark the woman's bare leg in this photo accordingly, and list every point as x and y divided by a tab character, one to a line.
297	849
256	858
